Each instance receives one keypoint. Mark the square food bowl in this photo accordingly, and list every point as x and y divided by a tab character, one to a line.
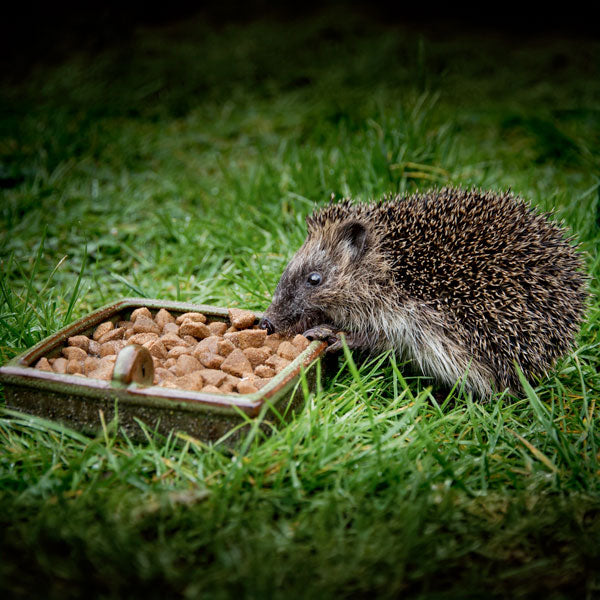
81	402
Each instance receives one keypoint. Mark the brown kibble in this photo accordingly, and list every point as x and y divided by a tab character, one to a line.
190	340
257	356
102	329
113	334
228	359
209	344
104	372
225	347
91	363
142	338
74	353
245	386
301	342
195	317
157	349
288	350
161	374
74	366
241	318
112	347
277	362
211	389
170	340
186	364
178	351
237	363
94	347
264	371
145	324
108	360
170	383
211	360
191	381
163	317
232	336
197	329
169	328
140	312
44	365
273	341
81	341
217	328
251	338
232	379
59	365
260	382
213	376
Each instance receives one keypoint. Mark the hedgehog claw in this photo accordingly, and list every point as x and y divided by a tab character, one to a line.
321	332
331	336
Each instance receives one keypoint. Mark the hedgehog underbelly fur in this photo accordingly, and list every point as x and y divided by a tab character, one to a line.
464	283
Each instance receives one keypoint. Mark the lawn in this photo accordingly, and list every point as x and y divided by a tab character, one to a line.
177	159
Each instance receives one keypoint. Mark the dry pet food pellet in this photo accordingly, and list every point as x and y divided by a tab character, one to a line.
191	316
163	317
264	371
142	338
225	347
237	364
246	386
74	353
211	361
241	318
59	365
188	352
194	328
145	325
102	329
217	327
212	389
288	350
257	356
213	376
140	312
81	341
157	349
113	334
251	338
170	340
74	366
300	342
43	364
171	328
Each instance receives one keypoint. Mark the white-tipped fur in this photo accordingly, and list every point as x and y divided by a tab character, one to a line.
402	331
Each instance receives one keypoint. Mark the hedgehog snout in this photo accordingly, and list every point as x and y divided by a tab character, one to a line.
265	323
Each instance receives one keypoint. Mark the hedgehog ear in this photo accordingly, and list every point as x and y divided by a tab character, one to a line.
354	234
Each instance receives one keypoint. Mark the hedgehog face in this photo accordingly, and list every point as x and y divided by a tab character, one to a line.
319	276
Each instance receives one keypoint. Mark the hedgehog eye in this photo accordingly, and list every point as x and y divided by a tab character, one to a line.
314	278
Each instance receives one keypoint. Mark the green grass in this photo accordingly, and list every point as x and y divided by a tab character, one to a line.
180	164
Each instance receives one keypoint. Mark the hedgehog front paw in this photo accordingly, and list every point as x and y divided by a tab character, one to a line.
333	337
352	341
324	333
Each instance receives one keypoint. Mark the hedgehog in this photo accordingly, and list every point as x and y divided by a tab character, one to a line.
465	284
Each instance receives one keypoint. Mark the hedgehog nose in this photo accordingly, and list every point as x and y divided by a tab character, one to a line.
264	323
